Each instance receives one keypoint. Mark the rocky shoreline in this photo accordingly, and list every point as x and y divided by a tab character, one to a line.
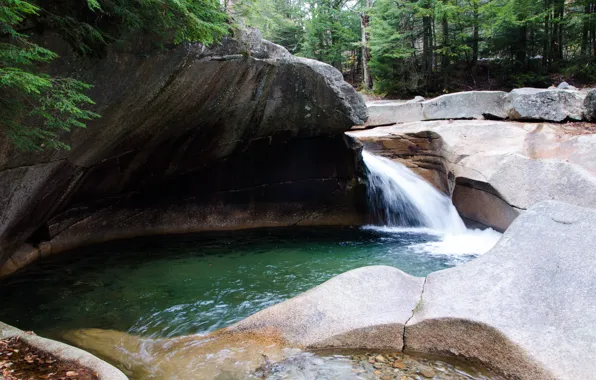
400	366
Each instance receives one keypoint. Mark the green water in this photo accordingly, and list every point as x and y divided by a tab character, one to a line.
174	285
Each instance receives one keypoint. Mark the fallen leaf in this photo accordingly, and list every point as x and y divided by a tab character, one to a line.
71	374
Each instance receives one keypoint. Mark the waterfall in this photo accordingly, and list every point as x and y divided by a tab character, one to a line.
400	198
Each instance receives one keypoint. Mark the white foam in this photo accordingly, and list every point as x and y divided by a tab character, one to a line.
469	243
400	198
406	203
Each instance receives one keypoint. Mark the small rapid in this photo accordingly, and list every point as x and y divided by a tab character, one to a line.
401	201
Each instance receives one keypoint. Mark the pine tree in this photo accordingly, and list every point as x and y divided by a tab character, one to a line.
36	107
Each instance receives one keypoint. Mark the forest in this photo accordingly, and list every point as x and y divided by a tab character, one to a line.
394	48
399	47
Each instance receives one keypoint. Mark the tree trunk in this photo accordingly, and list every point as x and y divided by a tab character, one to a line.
445	50
522	45
586	29
364	19
427	48
475	38
230	7
427	52
561	14
546	42
593	27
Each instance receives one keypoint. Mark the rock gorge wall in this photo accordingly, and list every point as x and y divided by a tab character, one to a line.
238	135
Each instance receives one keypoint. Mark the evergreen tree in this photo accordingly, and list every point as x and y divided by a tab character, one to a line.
36	107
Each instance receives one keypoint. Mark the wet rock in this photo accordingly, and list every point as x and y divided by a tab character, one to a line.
380	359
351	311
498	168
62	351
399	364
426	371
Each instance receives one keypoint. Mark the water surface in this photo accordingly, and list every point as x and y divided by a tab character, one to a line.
173	285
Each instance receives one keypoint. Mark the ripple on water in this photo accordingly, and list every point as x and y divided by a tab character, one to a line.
185	284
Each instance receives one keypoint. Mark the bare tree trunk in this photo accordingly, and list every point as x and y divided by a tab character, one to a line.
522	45
445	51
585	29
427	46
561	12
364	19
546	51
475	37
230	7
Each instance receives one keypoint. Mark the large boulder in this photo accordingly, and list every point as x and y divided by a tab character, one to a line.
239	134
466	105
590	105
545	104
494	168
527	307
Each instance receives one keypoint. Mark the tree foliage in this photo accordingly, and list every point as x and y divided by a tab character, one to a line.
36	107
326	30
430	46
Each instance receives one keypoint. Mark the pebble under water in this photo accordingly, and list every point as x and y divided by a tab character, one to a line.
184	284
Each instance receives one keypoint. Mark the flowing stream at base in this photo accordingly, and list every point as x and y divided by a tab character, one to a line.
401	201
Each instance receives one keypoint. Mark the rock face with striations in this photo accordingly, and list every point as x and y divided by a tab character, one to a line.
241	134
494	169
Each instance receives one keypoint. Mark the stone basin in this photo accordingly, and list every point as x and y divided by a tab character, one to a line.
514	310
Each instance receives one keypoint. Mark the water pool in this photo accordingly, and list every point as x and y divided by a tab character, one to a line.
174	285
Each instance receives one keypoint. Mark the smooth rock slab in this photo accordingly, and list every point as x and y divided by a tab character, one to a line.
526	181
461	105
386	113
363	308
527	307
466	105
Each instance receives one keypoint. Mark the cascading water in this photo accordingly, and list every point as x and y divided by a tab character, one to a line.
400	199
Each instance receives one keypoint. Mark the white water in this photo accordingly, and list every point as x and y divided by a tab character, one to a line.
402	201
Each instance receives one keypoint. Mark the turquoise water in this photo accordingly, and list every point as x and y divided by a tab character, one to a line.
173	285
